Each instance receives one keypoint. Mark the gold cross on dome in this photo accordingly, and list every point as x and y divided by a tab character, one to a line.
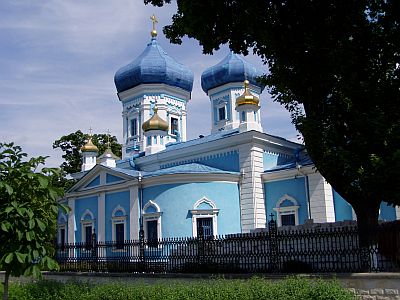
90	131
154	21
108	137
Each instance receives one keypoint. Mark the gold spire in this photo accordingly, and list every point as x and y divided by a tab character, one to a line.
247	97
155	123
154	21
89	146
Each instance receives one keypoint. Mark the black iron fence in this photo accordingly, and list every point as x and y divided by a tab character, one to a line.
327	249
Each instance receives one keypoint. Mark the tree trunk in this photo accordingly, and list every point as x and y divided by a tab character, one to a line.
6	279
367	222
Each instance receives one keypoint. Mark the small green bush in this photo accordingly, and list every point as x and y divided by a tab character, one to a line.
255	288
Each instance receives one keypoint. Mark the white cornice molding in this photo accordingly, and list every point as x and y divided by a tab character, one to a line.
115	187
256	138
159	88
288	174
93	173
232	86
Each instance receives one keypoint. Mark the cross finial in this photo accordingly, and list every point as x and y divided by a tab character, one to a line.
108	138
90	131
154	21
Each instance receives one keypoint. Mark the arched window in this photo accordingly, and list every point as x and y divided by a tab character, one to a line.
204	218
87	226
152	223
287	211
118	219
62	231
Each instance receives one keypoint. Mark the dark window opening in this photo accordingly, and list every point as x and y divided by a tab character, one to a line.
174	125
205	227
152	233
119	236
62	238
288	220
133	127
88	237
221	113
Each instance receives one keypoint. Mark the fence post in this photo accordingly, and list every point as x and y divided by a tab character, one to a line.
273	243
141	250
94	251
200	247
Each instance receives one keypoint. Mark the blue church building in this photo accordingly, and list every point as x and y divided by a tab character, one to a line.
227	182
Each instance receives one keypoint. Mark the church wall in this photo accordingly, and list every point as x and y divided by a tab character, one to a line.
295	188
343	210
81	205
387	213
176	201
274	159
112	201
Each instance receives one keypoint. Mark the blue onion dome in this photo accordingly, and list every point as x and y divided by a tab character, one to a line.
154	66
233	68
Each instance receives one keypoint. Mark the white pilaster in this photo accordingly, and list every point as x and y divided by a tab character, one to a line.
252	201
397	208
183	124
133	213
321	199
101	224
71	221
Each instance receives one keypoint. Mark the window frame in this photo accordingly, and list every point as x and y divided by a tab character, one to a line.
219	113
115	220
198	213
287	210
86	223
153	216
133	127
172	123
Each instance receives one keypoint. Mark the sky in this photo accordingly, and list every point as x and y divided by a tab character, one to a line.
57	64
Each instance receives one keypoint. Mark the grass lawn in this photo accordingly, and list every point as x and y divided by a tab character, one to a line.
256	288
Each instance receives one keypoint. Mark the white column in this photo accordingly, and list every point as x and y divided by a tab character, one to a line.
133	213
101	218
252	203
321	199
71	221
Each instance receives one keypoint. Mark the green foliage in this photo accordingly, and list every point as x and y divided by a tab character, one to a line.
71	144
28	213
335	65
288	289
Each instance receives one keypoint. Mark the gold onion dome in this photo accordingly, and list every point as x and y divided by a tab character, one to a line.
155	123
247	97
89	146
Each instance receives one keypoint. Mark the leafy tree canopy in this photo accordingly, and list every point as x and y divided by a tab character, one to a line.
71	144
335	65
28	214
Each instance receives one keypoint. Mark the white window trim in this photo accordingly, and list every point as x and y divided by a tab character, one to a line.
155	216
118	220
86	223
170	116
287	210
217	107
60	227
204	213
133	120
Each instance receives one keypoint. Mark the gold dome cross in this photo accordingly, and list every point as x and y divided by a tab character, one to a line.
154	21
